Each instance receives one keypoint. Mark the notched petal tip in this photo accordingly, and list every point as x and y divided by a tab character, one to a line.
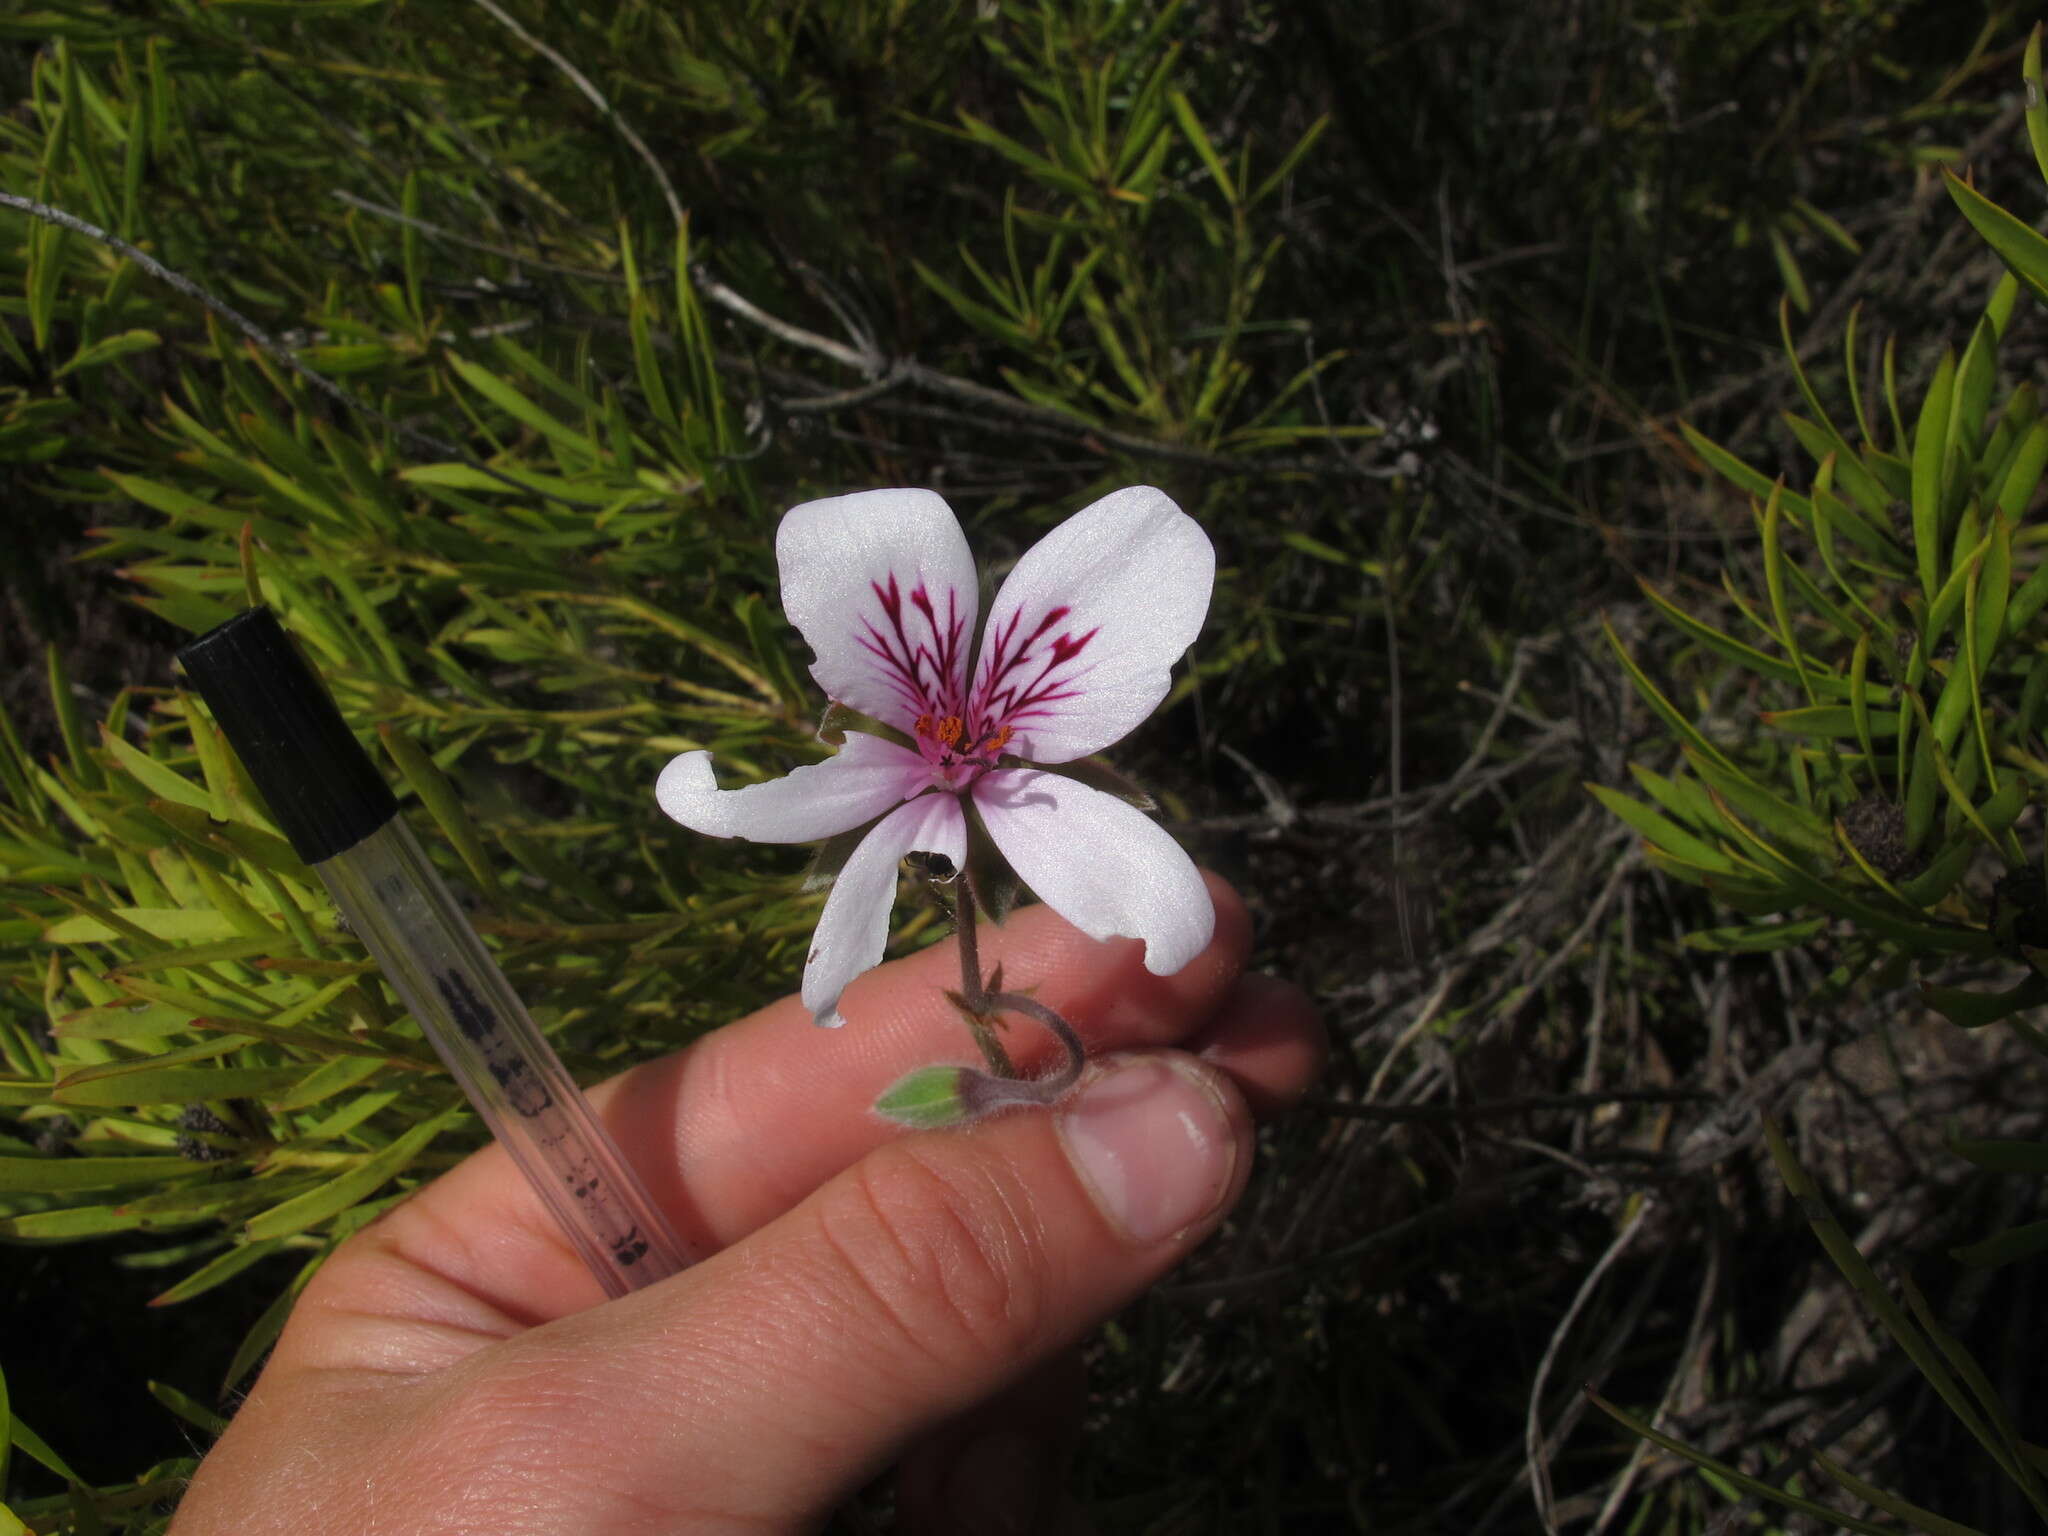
867	778
1168	954
687	791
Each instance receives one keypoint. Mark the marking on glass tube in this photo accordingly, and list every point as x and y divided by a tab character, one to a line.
567	1157
527	1094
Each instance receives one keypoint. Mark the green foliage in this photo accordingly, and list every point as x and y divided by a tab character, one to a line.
1898	625
397	324
1022	251
1940	1358
1894	626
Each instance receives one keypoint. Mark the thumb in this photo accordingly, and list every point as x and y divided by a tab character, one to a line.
758	1389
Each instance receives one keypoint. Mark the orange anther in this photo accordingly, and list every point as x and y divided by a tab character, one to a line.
923	725
997	742
949	730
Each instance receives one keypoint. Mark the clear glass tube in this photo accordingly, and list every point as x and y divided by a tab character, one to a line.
440	969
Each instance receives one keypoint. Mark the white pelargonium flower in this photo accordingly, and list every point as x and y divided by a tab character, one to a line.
1075	653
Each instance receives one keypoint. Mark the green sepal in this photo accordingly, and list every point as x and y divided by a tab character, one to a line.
841	718
994	883
1097	773
831	857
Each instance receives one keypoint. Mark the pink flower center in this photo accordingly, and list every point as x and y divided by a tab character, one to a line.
1034	664
958	756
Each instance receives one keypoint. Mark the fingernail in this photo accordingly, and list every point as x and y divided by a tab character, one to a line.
998	1484
1153	1143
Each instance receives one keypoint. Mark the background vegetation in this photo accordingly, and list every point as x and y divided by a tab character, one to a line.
1408	305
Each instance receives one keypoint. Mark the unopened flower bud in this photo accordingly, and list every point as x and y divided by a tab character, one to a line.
928	1098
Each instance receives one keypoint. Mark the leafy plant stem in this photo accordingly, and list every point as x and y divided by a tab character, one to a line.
982	1004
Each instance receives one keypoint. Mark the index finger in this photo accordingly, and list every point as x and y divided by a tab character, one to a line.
744	1124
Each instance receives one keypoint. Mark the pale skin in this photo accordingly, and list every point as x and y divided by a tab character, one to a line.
876	1299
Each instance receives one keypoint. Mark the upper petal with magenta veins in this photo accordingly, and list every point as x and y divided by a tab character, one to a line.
882	586
1081	640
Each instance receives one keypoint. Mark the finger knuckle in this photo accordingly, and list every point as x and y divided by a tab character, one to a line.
947	1252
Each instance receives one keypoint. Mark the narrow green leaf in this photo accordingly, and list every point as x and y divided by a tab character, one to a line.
2004	1156
173	925
358	1184
1947	867
1979	1385
1975	375
47	247
64	704
217	1271
1876	1295
264	1331
68	1224
1789	273
1832	896
60	1175
507	399
189	1409
409	248
1277	177
1917	1516
1973	1010
2021	1242
1743	655
157	777
106	1087
1659	705
2017	243
122	1021
2024	472
1992	592
323	1083
1198	139
1774	585
1829	720
1755	1487
1757	938
770	652
1793	825
1661	831
106	349
31	1445
2037	102
1930	461
443	803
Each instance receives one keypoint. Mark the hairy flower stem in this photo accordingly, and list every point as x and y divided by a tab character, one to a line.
982	1007
973	996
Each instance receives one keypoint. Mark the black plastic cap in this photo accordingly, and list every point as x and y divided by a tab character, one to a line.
320	785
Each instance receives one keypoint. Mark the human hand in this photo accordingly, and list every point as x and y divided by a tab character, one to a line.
877	1298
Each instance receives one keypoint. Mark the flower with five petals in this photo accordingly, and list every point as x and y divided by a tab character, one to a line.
1076	652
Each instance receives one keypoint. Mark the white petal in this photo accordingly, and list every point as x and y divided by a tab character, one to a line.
866	778
1081	638
882	586
854	926
1105	867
